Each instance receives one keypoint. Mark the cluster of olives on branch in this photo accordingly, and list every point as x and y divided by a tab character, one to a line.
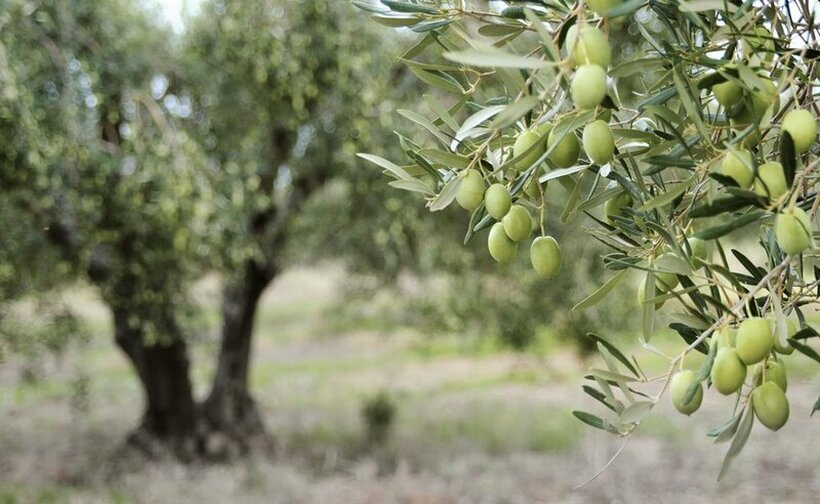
589	51
753	343
515	222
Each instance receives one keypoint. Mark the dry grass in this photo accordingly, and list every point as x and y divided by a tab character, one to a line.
471	427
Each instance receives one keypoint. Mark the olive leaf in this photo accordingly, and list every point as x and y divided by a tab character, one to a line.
739	441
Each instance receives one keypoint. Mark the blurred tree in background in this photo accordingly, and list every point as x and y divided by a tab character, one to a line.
141	161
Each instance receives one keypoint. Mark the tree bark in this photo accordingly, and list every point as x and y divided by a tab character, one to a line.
230	413
169	420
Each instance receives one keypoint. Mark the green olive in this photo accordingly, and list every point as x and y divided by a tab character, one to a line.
802	127
471	191
759	42
728	371
776	373
754	340
785	347
699	249
517	223
531	189
758	103
602	6
770	405
502	249
614	206
792	229
588	86
665	281
497	201
527	149
590	48
677	391
642	296
545	254
771	180
565	154
598	142
739	167
728	93
726	337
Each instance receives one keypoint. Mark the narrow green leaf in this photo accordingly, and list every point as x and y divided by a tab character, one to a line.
399	172
513	112
635	412
494	59
667	197
739	441
597	296
703	373
399	6
589	419
412	185
447	195
723	229
424	123
438	79
395	21
805	349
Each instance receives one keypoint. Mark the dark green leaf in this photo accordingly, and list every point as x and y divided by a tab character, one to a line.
589	419
788	157
718	231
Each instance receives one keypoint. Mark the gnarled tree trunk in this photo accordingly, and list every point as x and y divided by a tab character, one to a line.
170	416
230	413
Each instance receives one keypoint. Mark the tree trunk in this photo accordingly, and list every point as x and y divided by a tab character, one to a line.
232	418
170	414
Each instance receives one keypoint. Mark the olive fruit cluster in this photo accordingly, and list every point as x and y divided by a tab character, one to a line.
751	346
515	223
590	52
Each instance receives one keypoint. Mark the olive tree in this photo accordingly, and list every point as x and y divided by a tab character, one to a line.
679	134
142	162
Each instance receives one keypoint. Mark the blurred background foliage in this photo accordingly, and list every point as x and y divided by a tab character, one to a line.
130	149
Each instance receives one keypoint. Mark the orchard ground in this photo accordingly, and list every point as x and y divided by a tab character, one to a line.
475	423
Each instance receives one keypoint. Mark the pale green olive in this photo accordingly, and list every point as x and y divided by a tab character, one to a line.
665	281
642	296
501	248
588	86
770	405
728	371
497	201
728	93
792	229
565	154
517	223
775	372
615	206
754	340
545	254
527	148
677	392
739	167
591	47
598	142
602	6
771	180
471	191
802	127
